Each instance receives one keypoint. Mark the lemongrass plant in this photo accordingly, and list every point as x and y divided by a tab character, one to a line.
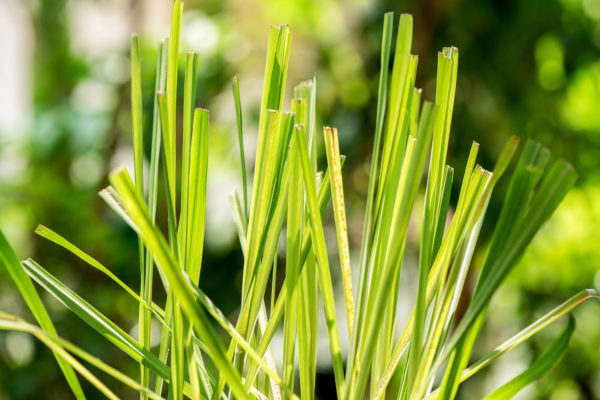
202	354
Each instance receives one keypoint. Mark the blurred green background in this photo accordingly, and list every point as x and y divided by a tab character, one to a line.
527	68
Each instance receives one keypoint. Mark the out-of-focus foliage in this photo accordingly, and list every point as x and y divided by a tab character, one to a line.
530	68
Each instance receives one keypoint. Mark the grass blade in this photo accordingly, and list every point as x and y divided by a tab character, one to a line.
95	319
337	194
54	237
33	301
323	273
136	114
396	215
189	96
538	369
292	257
197	195
196	314
306	261
386	45
10	322
66	357
525	334
240	130
554	187
147	279
169	121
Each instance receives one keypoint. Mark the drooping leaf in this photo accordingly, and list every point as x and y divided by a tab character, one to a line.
37	308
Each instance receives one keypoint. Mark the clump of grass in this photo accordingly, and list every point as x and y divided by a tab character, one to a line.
430	359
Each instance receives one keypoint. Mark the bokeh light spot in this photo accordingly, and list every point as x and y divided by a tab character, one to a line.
592	9
19	348
549	57
86	170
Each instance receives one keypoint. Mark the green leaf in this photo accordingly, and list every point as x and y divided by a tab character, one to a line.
196	213
468	209
169	121
31	297
240	130
147	275
458	360
292	255
136	113
538	369
238	217
528	216
332	148
306	262
191	73
181	286
323	273
49	234
95	319
524	334
390	245
271	200
386	45
61	346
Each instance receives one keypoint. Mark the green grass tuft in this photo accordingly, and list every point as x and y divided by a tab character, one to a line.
411	139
